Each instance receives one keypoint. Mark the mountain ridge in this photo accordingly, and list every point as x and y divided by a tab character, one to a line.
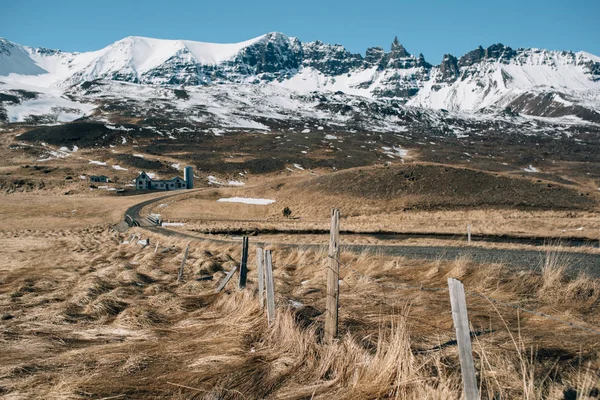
500	77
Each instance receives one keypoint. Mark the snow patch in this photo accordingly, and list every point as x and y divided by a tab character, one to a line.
395	151
56	109
235	183
531	169
212	180
246	200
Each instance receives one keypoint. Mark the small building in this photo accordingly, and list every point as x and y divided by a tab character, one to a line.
144	182
99	178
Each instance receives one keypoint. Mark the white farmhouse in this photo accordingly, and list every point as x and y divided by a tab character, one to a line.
144	182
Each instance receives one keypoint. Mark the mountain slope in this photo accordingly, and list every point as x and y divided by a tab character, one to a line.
529	81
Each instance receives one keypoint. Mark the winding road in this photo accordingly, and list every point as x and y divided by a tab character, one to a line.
515	258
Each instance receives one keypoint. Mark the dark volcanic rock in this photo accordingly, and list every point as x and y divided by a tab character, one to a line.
398	58
398	51
422	63
497	52
472	57
374	55
500	52
449	68
83	134
275	53
9	98
330	59
182	69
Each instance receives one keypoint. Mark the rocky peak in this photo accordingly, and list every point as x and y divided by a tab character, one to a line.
472	57
274	53
330	59
499	52
422	63
449	68
47	52
398	51
5	46
399	58
374	55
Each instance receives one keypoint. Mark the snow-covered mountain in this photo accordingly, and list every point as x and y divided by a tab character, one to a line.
497	79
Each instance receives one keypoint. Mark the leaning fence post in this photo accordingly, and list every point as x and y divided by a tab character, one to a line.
270	286
226	279
180	275
333	278
244	264
156	248
463	337
261	277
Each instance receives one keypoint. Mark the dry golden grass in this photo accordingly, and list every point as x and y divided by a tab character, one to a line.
84	316
202	212
30	211
311	210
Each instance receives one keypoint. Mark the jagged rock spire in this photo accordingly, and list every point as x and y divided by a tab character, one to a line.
398	50
449	68
421	61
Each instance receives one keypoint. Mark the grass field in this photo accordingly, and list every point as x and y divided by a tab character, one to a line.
38	212
562	214
85	316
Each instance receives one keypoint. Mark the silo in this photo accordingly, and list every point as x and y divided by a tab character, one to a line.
189	177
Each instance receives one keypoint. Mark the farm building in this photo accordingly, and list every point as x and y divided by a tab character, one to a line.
99	178
144	182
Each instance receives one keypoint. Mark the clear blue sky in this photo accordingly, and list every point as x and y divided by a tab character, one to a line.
431	27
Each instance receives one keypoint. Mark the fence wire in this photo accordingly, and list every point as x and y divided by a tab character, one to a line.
473	294
403	286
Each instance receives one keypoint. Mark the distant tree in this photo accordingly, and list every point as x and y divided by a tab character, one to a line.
287	212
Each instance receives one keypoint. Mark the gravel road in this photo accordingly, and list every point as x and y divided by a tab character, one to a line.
515	258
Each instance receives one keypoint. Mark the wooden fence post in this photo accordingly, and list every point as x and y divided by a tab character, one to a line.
226	279
180	275
261	276
333	278
156	248
469	233
270	286
463	337
244	264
